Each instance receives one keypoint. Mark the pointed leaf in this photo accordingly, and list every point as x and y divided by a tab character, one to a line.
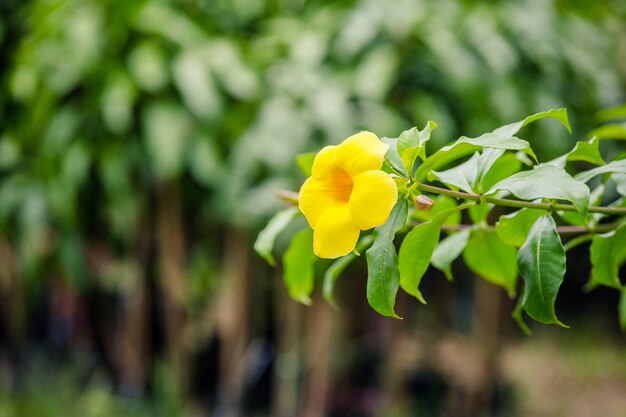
383	279
610	131
448	250
608	253
417	250
487	256
412	143
618	166
298	263
541	262
513	128
546	182
513	228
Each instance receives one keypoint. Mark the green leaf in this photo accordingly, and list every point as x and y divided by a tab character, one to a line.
513	128
585	151
441	203
610	131
461	176
264	244
392	157
501	138
305	162
338	266
518	315
618	112
448	250
546	182
417	249
383	279
541	262
607	253
479	212
412	143
487	256
622	310
618	166
513	228
298	263
507	165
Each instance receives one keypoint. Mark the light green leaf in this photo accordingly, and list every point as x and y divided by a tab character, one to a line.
298	263
417	249
479	212
412	143
383	279
448	250
305	162
618	166
541	262
586	151
338	266
546	182
501	138
487	256
513	128
513	228
607	253
264	244
610	131
618	112
392	157
461	176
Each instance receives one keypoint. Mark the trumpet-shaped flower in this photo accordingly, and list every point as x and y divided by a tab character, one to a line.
346	193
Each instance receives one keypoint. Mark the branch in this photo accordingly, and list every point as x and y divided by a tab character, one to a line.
562	230
517	203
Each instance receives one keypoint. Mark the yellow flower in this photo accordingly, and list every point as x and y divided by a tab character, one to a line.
346	193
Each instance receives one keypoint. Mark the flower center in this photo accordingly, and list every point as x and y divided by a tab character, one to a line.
341	186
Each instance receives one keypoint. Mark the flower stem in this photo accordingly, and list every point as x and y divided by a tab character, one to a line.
518	203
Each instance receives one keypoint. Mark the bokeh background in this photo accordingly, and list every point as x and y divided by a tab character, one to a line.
141	144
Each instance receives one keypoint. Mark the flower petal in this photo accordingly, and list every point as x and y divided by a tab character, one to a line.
315	195
324	163
373	196
361	152
335	233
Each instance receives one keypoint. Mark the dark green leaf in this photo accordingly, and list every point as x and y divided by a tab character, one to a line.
487	256
607	253
541	262
264	244
299	262
546	182
383	279
417	249
513	228
448	250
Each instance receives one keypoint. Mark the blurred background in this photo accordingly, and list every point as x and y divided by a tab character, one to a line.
141	143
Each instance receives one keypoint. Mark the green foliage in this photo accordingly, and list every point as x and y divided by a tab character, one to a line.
541	262
524	242
383	278
608	253
488	257
298	263
264	244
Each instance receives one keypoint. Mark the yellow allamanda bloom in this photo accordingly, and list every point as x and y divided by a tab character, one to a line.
346	193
